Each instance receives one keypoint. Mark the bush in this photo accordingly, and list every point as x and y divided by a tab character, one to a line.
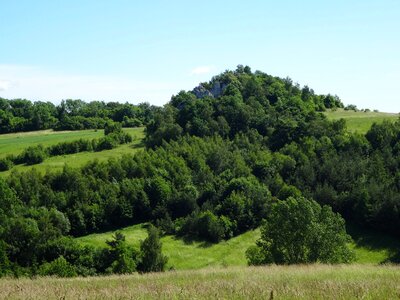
106	143
112	127
5	164
58	267
300	231
33	155
206	226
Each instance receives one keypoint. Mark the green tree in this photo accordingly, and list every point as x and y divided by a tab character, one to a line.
152	259
301	231
123	258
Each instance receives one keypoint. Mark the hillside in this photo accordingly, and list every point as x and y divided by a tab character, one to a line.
370	247
241	153
272	282
16	143
360	121
183	254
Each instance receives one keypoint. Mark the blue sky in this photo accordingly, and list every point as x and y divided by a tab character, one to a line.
136	51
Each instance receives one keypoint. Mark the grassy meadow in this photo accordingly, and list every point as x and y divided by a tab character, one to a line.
370	247
186	255
360	121
270	282
15	143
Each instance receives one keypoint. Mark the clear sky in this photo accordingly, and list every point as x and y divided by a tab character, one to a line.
149	50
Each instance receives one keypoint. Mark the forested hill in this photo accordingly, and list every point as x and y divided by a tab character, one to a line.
243	102
217	159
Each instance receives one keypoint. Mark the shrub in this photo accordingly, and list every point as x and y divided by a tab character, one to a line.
112	127
5	164
58	267
33	155
106	143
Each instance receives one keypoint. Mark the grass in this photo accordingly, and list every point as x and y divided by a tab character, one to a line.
371	247
271	282
360	121
183	255
17	142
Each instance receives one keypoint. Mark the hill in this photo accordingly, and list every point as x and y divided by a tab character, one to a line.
272	282
360	121
219	160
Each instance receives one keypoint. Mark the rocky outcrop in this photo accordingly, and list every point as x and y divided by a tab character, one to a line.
201	92
216	91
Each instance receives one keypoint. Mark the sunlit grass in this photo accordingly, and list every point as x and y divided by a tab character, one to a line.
370	247
270	282
23	140
360	121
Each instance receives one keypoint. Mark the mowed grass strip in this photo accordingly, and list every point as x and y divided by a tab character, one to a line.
359	121
73	160
270	282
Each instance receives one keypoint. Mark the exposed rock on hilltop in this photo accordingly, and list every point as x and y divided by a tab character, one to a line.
216	90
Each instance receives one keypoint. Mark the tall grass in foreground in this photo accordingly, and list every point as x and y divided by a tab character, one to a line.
272	282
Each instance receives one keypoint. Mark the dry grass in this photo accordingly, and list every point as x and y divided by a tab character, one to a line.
277	282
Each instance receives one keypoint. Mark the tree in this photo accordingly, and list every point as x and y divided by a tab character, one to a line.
301	231
123	258
152	259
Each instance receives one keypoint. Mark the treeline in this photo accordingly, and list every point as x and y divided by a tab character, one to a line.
23	115
218	160
32	155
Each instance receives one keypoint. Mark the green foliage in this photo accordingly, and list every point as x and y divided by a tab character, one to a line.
33	155
299	231
217	159
23	115
58	267
123	259
151	256
112	128
5	164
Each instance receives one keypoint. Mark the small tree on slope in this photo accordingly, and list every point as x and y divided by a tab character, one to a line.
152	259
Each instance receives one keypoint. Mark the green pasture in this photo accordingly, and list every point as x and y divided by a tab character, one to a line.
359	121
15	143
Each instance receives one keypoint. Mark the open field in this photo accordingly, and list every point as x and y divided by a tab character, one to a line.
270	282
360	121
17	142
370	247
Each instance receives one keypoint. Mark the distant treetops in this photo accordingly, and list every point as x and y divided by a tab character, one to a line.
24	115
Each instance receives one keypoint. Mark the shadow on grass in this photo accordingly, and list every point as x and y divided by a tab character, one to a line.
192	241
138	145
375	240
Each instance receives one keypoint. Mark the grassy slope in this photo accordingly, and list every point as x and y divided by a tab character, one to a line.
16	143
370	247
185	255
360	121
272	282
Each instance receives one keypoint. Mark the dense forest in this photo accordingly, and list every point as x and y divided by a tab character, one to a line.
218	161
23	115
